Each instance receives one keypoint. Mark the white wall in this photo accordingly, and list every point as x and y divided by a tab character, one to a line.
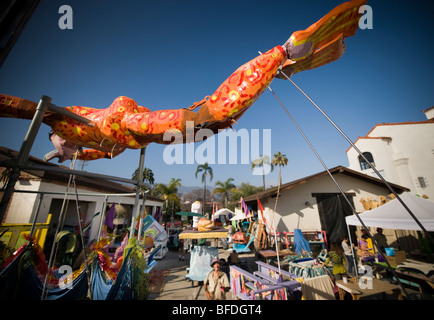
408	155
23	206
292	212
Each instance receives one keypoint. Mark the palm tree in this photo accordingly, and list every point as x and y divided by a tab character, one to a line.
205	169
224	188
169	192
261	162
280	160
148	176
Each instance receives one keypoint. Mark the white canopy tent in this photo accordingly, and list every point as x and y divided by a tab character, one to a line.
223	212
239	215
393	215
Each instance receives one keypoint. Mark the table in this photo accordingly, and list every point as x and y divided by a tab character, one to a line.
408	273
356	292
421	281
267	255
193	233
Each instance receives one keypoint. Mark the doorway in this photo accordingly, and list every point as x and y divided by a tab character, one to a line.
333	208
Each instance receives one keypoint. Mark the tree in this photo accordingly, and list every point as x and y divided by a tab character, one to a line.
168	193
224	188
148	176
244	190
279	160
262	161
206	170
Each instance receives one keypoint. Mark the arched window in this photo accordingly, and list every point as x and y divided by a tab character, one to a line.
365	165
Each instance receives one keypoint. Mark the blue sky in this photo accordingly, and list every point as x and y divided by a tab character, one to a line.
170	54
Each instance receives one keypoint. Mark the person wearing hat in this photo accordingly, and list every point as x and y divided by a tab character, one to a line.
216	283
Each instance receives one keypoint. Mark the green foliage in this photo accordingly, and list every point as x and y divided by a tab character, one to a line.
244	190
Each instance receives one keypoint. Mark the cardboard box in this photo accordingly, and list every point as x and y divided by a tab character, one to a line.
397	259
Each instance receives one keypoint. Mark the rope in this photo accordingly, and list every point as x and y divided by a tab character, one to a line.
80	228
361	154
60	224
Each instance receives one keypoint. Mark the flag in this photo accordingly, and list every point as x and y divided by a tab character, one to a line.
261	209
245	208
110	216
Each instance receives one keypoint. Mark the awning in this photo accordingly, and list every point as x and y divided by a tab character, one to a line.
393	215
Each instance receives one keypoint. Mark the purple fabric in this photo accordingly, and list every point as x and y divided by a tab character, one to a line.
110	216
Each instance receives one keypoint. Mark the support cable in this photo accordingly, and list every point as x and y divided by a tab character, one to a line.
361	154
339	188
62	216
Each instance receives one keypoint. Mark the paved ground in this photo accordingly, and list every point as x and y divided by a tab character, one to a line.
176	287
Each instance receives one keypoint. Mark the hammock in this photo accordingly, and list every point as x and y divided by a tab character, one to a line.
19	280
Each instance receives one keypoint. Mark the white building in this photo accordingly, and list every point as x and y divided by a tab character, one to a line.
403	153
40	193
314	203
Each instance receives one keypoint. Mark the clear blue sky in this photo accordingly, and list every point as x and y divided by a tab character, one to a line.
169	54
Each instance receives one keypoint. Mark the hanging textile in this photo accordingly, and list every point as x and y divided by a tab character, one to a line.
300	242
100	288
110	217
333	209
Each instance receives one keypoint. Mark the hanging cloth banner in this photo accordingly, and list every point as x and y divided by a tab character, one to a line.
110	217
245	208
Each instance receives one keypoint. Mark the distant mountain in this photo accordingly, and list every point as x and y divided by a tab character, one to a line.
188	189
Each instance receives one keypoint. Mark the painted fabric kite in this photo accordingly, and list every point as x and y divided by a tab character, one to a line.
125	124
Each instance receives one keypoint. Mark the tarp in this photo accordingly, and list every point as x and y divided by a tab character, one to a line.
300	242
19	281
239	215
224	212
393	215
200	262
100	288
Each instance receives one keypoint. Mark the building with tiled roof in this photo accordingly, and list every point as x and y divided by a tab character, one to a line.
403	153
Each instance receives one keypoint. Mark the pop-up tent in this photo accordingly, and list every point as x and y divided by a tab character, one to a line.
224	212
393	215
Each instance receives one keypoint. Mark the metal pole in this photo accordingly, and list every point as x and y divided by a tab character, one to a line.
23	155
140	223
88	272
364	158
31	166
41	195
103	214
80	194
65	112
352	252
136	208
54	247
338	186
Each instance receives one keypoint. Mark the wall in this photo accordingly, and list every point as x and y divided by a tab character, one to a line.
292	212
23	206
408	155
